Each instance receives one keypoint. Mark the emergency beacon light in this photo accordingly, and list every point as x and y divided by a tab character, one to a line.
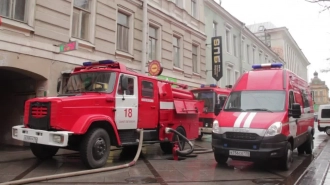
99	62
269	65
211	85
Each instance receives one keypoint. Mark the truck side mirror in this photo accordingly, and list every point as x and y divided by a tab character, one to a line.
295	111
124	82
59	82
217	109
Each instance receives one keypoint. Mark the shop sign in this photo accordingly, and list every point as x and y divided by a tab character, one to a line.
217	63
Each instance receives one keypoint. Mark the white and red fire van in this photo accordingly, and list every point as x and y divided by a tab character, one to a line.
267	115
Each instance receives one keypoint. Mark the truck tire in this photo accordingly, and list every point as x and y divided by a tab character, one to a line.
43	152
286	161
95	148
168	146
327	131
221	159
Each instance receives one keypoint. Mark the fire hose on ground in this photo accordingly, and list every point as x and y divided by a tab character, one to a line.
183	153
84	172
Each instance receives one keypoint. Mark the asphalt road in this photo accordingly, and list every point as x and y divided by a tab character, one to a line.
155	168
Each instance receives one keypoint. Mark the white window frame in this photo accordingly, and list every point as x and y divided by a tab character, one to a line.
230	80
198	58
237	75
260	56
194	14
247	53
180	39
22	27
266	58
228	41
215	29
130	15
235	45
91	39
159	38
243	48
254	48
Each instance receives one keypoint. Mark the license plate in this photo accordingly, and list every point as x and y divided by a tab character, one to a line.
239	153
31	139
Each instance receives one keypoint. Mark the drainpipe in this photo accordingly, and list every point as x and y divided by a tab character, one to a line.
144	36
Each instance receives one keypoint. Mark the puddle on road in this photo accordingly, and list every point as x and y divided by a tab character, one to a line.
141	180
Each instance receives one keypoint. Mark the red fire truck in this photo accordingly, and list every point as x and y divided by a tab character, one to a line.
212	95
103	105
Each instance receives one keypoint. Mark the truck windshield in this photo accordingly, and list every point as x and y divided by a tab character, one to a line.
209	99
270	101
90	82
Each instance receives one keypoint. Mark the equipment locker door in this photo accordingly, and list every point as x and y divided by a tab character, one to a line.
148	103
127	104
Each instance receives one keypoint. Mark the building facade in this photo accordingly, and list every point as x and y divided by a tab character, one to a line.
240	47
31	32
281	41
320	91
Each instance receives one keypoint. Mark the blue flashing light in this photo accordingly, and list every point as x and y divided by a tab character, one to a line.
225	145
87	63
270	65
106	62
254	146
202	86
213	85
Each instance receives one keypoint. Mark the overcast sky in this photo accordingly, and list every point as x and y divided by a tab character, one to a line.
309	28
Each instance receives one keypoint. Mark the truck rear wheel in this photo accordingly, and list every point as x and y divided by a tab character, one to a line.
221	159
43	152
167	147
95	148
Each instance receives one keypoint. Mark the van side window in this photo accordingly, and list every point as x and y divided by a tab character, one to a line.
147	89
291	99
305	99
222	99
325	113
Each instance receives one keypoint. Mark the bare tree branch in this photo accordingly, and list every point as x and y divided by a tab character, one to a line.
323	3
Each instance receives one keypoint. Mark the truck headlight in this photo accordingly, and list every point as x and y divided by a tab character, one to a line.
15	132
58	138
215	128
274	129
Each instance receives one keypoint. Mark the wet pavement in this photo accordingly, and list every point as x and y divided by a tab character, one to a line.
155	168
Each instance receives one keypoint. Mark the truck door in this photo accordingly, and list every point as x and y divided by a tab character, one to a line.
148	103
127	104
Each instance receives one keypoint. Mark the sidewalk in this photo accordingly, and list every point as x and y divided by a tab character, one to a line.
317	172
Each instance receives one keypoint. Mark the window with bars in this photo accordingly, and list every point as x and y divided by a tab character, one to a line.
81	19
176	51
195	58
122	32
152	43
193	8
14	9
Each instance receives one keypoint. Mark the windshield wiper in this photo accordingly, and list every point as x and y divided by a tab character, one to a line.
262	109
235	108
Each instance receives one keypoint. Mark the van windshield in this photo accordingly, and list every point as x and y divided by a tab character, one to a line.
90	82
270	101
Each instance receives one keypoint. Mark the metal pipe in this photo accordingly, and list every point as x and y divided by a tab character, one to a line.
144	36
83	172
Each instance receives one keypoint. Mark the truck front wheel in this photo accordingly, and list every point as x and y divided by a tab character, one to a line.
43	152
95	148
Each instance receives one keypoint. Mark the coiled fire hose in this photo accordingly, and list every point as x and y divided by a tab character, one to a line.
84	172
192	150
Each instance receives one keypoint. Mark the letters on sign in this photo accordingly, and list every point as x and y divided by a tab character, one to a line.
217	71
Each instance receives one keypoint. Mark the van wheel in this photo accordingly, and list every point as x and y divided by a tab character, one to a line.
43	152
221	159
287	159
200	137
327	131
95	148
168	146
309	145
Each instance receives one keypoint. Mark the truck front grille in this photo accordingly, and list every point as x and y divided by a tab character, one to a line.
39	115
241	136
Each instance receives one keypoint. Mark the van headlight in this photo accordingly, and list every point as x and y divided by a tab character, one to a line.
274	129
216	128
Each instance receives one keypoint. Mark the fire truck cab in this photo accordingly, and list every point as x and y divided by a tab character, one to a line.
105	104
268	114
214	98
